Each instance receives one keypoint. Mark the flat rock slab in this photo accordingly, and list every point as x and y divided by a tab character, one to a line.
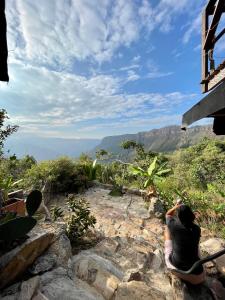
14	263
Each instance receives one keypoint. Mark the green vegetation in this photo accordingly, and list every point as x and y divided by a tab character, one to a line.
64	174
80	219
195	174
6	186
56	212
5	130
153	174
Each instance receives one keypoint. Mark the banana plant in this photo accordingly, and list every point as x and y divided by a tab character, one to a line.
6	185
91	169
154	172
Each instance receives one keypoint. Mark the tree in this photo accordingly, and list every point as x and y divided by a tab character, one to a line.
100	153
5	130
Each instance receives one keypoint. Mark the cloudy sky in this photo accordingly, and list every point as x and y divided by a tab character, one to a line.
91	68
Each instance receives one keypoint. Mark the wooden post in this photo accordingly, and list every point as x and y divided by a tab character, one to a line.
3	45
204	51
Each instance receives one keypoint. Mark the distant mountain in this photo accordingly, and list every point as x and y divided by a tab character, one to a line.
162	140
165	139
48	148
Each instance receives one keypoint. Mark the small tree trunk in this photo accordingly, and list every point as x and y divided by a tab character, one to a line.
1	200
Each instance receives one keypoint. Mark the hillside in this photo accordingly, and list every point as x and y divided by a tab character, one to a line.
165	139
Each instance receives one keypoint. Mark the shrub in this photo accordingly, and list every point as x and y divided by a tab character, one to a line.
64	175
80	219
56	212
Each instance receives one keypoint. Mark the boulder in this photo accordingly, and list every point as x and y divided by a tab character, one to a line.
157	262
133	275
97	272
212	246
62	249
43	263
156	208
15	263
11	293
136	290
57	255
29	288
57	284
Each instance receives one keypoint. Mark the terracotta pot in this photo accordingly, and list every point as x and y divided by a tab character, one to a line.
15	205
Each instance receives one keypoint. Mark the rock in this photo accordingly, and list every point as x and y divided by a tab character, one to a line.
11	293
28	288
217	288
107	247
98	272
157	262
133	275
136	290
62	249
210	268
11	297
212	246
160	282
40	296
15	262
57	255
156	207
127	264
57	285
43	263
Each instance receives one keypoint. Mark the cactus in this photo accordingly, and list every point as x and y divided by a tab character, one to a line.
16	228
13	227
33	202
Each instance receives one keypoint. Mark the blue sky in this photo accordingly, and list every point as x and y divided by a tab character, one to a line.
92	68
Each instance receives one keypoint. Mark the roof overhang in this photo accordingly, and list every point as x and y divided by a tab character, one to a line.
211	106
3	46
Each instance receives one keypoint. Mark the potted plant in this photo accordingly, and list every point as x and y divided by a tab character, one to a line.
11	202
14	227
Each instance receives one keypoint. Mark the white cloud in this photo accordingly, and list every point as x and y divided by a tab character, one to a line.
136	58
54	99
157	74
194	28
130	67
54	33
132	76
194	24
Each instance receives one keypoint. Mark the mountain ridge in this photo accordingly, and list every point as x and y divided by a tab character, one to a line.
165	139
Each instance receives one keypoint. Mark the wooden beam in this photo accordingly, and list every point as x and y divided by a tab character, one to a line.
205	61
207	107
216	39
211	10
214	24
210	5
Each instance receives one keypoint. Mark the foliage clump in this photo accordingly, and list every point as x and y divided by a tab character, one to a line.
5	130
56	212
80	219
64	174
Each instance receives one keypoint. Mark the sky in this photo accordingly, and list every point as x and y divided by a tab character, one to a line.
94	68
